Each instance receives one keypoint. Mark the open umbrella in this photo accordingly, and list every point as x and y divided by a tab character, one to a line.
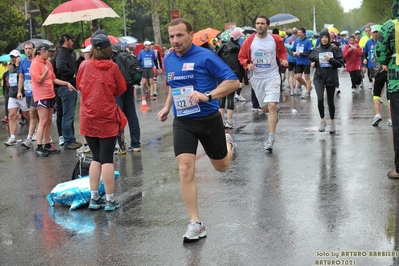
282	19
204	36
248	30
36	42
335	30
140	47
128	41
6	58
309	33
78	10
111	38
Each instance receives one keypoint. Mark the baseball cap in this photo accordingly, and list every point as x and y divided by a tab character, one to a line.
64	37
87	49
374	29
45	47
236	34
147	43
15	53
100	41
357	31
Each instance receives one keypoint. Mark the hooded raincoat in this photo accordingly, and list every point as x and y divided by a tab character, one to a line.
326	72
100	82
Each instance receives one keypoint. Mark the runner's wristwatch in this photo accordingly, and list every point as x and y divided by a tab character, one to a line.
209	95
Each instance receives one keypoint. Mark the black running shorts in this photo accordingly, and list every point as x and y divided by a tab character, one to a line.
209	130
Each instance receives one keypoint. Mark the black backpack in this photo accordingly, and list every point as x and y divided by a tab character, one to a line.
128	64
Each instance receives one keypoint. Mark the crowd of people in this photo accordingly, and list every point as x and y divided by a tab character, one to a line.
204	83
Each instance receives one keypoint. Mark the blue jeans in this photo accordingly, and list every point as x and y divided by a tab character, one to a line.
126	103
68	100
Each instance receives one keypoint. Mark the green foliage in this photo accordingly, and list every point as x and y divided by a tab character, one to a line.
202	14
11	27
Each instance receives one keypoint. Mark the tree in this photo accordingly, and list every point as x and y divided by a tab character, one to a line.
11	26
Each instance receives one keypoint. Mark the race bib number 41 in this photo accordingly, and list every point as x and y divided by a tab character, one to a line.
183	105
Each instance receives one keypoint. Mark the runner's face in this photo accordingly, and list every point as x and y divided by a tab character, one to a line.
352	41
323	40
180	39
28	50
261	26
301	35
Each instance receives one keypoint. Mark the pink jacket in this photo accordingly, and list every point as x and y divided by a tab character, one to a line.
245	53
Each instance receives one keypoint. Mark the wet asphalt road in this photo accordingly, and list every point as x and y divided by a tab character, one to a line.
316	196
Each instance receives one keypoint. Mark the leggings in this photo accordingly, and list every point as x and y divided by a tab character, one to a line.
330	99
102	149
230	101
356	78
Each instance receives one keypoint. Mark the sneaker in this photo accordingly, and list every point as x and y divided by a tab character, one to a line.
338	91
130	148
353	90
239	98
153	97
10	141
234	146
52	150
111	205
194	232
292	93
96	204
119	151
156	93
229	124
42	152
306	95
254	109
322	126
296	92
60	140
83	149
5	119
34	136
376	120
27	143
332	128
73	146
50	140
389	122
393	174
269	145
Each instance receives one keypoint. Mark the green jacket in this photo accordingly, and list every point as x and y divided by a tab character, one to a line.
387	48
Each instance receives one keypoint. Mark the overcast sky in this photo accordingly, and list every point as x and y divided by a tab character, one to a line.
350	4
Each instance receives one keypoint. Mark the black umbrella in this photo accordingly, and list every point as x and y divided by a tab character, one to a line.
36	42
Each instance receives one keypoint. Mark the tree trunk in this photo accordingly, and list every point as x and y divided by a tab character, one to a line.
155	24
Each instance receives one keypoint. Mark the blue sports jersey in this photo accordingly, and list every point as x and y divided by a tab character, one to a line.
200	68
302	46
24	69
146	58
369	51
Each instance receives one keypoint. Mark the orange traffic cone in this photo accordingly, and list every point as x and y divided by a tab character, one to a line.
144	105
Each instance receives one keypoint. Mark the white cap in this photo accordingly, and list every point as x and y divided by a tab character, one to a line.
87	49
147	43
15	53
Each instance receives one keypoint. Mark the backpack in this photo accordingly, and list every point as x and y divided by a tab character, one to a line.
128	64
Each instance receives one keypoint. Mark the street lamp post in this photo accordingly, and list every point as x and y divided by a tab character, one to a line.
124	17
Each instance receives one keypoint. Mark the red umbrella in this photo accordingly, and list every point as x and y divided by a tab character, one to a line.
80	10
140	47
111	38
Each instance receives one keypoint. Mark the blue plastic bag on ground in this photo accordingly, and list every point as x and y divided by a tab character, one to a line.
74	193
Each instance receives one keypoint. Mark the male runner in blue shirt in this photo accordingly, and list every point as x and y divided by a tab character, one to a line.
197	77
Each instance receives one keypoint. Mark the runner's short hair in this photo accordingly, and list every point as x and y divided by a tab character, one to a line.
184	21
